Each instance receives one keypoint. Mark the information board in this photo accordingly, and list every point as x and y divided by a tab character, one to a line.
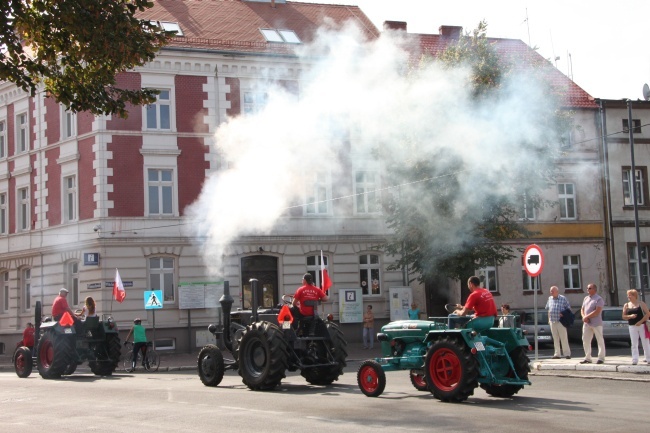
350	306
400	302
199	295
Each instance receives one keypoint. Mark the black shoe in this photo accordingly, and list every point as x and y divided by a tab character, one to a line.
568	357
600	361
556	357
584	361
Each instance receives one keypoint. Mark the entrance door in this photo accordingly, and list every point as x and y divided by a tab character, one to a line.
265	270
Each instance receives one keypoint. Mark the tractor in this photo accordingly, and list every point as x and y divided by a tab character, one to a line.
448	358
267	342
60	346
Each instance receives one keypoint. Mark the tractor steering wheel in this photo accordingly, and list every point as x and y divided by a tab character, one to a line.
287	299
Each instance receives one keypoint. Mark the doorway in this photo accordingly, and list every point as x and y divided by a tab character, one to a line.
265	270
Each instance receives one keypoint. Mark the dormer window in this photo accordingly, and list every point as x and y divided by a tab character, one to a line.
169	27
276	35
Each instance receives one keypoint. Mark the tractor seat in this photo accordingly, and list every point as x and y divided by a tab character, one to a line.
93	327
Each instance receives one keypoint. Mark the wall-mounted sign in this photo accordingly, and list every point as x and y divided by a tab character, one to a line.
94	286
199	295
124	283
91	259
350	306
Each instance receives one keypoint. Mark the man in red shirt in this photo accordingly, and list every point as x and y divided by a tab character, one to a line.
28	336
480	300
304	293
60	305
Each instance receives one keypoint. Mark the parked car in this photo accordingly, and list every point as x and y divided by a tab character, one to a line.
527	320
614	327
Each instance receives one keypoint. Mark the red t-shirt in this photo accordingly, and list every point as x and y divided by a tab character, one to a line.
308	293
482	302
28	337
59	306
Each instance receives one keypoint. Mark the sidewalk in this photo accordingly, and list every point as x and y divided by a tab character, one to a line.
356	353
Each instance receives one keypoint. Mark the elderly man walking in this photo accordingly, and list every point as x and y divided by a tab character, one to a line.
555	305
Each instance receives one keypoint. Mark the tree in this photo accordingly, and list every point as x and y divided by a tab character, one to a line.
75	49
442	226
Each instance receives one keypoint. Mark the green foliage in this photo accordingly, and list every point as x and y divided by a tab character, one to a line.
449	218
75	49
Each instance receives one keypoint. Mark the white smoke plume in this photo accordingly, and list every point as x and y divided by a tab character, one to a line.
358	98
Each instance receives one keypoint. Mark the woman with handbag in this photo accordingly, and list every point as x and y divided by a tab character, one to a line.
636	313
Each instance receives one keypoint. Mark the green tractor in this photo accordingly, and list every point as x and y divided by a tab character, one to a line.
449	359
60	346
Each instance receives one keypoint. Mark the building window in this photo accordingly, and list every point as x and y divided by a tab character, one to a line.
254	101
571	267
365	191
161	191
526	209
488	277
314	268
73	282
317	200
69	198
529	283
5	291
3	139
23	209
68	123
636	126
161	276
158	113
567	198
640	183
21	133
3	213
369	274
26	285
633	261
278	35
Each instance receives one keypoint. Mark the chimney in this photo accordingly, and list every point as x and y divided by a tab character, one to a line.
395	25
451	32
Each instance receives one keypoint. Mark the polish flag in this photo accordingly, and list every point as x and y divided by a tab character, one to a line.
325	281
118	288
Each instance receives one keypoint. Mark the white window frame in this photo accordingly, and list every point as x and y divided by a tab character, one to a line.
26	288
571	267
314	267
366	195
163	99
280	36
565	199
484	274
22	132
368	273
254	101
5	291
72	272
526	211
158	187
4	213
161	275
3	138
639	183
632	264
318	196
529	283
23	216
70	198
68	123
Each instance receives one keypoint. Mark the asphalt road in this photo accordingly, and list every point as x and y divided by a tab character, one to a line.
178	402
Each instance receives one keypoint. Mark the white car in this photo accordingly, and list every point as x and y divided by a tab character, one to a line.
614	326
527	320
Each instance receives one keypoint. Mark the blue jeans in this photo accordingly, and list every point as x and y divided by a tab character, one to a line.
368	337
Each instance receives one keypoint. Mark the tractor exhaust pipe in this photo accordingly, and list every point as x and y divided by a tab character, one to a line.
226	302
255	299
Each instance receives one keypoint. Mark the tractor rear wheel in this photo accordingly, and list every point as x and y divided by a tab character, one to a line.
262	356
23	361
210	365
521	362
451	371
107	358
337	346
55	352
371	378
418	380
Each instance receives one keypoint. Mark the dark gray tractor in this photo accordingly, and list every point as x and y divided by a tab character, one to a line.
59	346
264	345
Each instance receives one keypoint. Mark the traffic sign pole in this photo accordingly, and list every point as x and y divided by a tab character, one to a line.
534	263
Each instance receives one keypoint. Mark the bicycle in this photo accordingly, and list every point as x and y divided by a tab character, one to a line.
150	363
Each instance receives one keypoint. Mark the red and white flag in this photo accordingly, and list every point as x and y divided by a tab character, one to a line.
118	288
325	281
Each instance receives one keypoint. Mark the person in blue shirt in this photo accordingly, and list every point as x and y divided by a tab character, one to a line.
414	312
555	305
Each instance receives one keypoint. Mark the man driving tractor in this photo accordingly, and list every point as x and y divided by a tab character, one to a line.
481	302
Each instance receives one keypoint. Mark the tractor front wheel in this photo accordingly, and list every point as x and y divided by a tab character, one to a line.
522	367
210	365
23	362
263	356
451	371
371	378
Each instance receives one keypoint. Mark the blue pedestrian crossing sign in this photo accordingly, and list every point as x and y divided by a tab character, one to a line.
153	300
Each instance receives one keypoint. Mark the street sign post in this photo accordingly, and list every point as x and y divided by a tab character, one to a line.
534	263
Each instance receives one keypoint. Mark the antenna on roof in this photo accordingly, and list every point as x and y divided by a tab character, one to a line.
646	92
